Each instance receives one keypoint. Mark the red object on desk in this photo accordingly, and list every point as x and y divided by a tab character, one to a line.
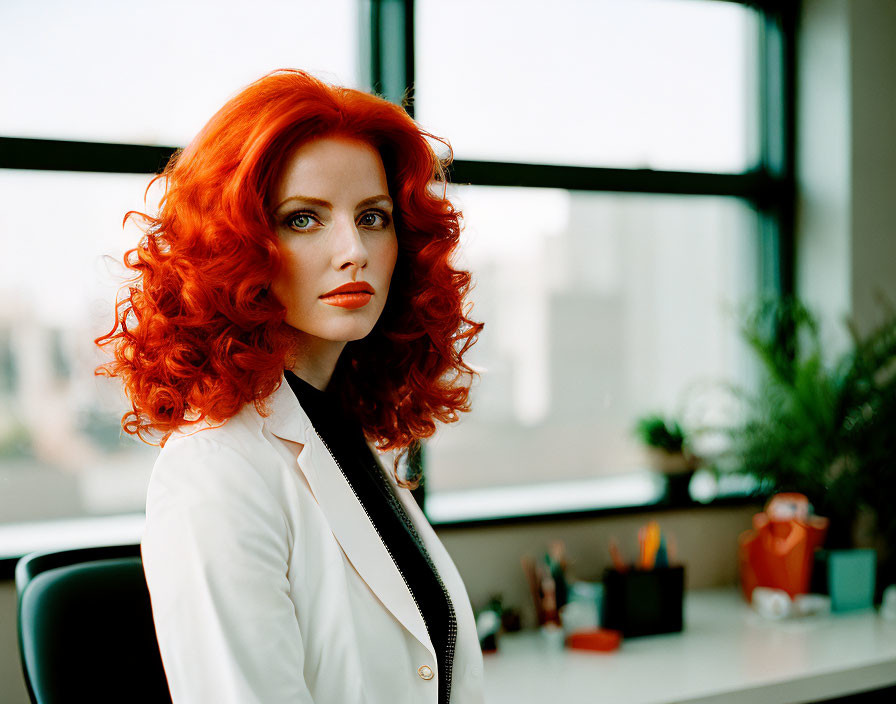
779	551
602	639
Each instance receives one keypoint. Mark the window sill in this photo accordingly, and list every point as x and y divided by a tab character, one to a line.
633	492
636	492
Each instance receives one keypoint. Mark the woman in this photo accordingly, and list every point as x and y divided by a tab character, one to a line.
293	300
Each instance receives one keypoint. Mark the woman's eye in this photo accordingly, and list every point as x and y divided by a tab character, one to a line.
370	219
300	221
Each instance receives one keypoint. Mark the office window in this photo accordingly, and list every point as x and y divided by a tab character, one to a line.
62	451
154	72
659	84
598	306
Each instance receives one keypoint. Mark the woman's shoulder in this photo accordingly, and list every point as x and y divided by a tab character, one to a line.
214	461
212	494
234	433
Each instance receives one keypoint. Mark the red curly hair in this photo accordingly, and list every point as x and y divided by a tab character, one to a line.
200	332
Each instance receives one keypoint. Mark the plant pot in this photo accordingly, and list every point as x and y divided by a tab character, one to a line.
678	468
848	576
678	488
667	462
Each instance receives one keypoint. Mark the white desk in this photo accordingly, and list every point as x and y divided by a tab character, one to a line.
726	654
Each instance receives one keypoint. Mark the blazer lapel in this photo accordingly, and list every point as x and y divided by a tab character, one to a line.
466	620
346	515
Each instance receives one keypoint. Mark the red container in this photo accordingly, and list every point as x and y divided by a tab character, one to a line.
779	551
600	639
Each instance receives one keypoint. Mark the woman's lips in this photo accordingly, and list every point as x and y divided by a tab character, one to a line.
348	300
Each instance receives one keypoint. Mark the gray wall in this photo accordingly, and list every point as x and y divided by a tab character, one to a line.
846	164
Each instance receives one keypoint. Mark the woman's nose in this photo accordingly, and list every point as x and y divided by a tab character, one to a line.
348	247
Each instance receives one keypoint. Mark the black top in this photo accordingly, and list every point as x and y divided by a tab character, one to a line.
344	437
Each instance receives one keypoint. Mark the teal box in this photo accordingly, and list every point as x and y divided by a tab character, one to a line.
851	575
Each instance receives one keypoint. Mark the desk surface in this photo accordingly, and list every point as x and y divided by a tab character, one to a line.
727	653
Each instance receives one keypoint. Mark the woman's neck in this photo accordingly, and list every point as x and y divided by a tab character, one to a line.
314	359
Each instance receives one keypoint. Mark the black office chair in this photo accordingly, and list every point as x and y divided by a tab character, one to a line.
85	628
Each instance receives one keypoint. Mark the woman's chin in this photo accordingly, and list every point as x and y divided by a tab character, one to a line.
341	333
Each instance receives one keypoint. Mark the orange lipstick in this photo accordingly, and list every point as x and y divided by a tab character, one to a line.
351	295
348	300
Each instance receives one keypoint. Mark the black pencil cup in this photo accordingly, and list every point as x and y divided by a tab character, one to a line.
643	602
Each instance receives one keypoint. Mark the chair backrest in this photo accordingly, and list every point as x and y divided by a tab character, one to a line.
85	628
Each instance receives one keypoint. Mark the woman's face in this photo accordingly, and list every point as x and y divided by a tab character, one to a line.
333	214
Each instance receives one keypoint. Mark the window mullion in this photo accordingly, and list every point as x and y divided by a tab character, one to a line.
777	120
390	50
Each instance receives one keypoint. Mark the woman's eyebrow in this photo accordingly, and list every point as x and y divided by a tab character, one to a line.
378	200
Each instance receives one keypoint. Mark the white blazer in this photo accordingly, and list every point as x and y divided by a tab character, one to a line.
270	585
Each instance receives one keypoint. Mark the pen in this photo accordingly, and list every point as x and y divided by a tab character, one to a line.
649	543
556	560
662	556
653	543
616	556
532	577
673	550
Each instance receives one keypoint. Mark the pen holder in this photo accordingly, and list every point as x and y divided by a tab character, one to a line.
643	602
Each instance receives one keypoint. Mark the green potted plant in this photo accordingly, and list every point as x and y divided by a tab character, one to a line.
825	432
668	452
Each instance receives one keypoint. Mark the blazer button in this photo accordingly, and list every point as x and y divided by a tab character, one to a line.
425	671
